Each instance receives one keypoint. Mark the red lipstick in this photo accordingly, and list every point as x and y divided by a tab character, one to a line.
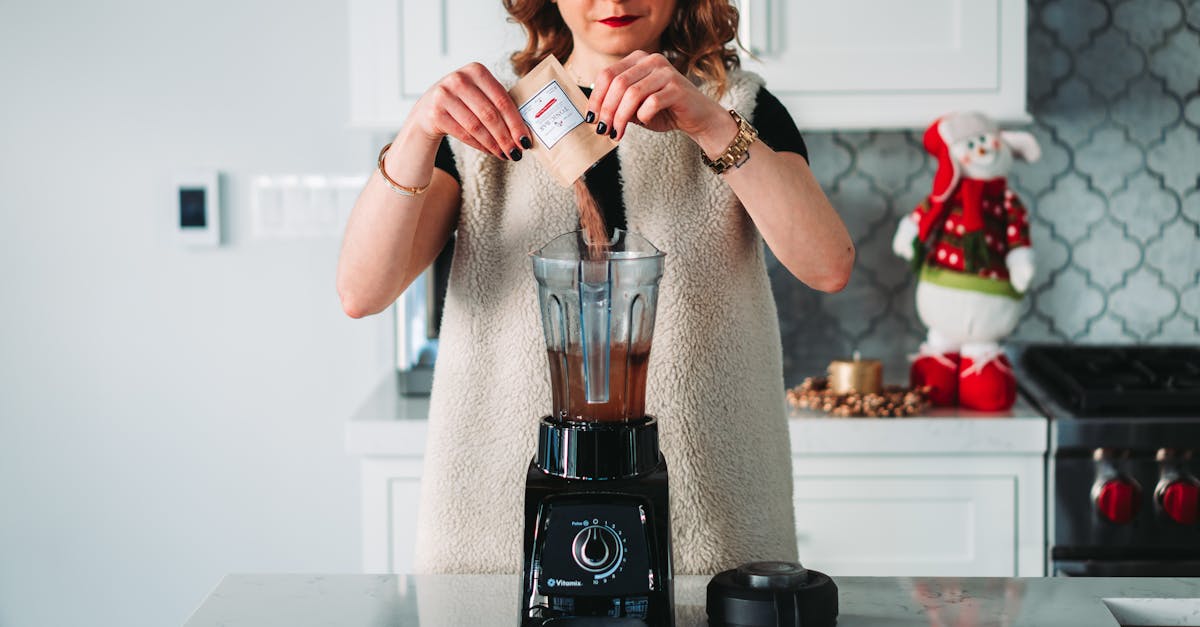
617	21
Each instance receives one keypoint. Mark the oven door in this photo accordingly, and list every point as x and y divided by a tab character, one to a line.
1127	568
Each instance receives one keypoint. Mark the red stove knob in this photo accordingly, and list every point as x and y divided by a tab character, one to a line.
1117	500
1180	499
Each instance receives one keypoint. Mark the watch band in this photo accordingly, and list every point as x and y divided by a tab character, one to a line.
738	151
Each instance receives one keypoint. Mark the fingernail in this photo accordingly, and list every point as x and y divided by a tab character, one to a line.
525	143
601	128
503	156
515	153
613	133
590	117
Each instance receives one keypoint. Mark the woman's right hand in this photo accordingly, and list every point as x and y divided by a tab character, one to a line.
470	104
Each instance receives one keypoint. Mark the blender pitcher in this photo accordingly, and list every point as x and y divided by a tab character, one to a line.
598	318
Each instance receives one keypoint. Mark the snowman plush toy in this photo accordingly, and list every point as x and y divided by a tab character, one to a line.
969	243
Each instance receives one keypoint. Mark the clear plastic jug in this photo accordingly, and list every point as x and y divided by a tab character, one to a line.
598	319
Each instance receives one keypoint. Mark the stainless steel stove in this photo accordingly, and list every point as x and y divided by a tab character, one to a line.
1124	498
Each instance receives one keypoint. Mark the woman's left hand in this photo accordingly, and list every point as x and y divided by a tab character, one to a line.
645	88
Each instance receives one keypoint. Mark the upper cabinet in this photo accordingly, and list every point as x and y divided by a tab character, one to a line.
399	48
850	64
887	64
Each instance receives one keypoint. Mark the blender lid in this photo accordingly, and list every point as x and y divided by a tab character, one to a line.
772	594
624	245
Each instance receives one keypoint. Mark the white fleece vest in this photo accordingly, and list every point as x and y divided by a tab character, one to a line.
715	379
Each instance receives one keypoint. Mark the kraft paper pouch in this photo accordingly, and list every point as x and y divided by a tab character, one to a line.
553	107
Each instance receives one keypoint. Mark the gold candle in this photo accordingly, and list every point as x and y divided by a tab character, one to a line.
864	376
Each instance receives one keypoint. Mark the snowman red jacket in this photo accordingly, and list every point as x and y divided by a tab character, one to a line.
972	230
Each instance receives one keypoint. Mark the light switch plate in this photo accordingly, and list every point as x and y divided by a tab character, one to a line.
295	206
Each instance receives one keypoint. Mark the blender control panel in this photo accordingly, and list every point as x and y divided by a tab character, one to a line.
595	549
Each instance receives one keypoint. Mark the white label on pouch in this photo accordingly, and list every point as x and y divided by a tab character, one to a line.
550	114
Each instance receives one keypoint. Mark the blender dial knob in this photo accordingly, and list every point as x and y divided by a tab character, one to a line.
596	548
1180	499
1117	500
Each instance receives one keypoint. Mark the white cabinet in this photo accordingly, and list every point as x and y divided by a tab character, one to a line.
877	514
937	496
898	516
391	490
880	525
399	48
846	64
883	64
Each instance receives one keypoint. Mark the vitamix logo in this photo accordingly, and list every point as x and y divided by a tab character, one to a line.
562	583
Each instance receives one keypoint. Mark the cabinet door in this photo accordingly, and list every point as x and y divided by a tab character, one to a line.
907	525
881	63
399	48
391	490
403	495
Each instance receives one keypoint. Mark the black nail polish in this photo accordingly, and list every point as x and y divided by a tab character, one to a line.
503	156
515	153
590	117
525	143
601	128
612	133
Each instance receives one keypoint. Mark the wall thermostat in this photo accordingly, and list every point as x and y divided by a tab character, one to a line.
197	205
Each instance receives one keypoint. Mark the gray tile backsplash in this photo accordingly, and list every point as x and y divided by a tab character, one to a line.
1114	88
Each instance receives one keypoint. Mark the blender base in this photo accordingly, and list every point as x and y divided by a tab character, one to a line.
597	551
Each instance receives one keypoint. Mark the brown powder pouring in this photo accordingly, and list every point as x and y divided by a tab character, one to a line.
595	231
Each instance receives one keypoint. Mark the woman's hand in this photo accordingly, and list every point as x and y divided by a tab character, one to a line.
646	89
470	104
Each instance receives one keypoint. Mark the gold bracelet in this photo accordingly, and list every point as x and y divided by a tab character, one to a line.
403	190
738	151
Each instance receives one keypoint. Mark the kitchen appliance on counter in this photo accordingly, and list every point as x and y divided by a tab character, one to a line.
771	594
597	524
1123	493
419	322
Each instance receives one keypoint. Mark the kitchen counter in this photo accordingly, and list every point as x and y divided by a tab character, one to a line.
390	425
473	600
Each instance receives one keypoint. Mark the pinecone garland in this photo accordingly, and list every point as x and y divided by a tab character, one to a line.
893	402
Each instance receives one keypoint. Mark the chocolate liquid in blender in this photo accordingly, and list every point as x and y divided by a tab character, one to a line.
626	385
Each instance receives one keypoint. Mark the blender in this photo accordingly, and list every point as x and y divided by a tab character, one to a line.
597	525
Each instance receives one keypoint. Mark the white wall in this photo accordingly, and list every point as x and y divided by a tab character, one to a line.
169	415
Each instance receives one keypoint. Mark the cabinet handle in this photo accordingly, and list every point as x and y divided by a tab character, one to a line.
746	8
755	14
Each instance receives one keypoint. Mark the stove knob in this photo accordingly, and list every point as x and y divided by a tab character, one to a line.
1180	499
1117	500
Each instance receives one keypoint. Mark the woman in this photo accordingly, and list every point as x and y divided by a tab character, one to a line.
664	81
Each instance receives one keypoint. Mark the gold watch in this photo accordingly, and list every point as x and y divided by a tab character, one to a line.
738	151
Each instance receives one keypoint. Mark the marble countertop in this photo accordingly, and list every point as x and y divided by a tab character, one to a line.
474	600
389	424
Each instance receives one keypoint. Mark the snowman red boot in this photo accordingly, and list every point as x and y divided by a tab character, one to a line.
937	365
986	380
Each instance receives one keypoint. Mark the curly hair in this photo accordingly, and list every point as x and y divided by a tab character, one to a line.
697	42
